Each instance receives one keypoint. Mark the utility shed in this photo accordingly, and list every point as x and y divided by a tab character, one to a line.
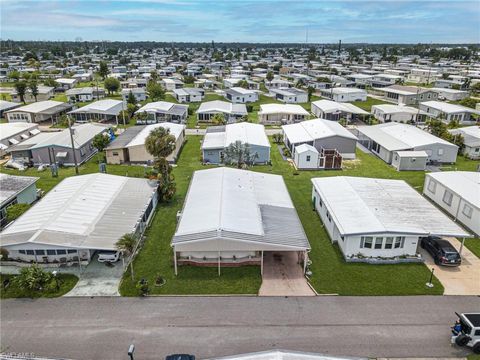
16	190
410	160
377	217
458	193
233	216
384	139
79	216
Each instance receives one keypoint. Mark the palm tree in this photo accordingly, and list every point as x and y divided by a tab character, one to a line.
239	153
126	245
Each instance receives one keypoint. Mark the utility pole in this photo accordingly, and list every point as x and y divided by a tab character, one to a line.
73	145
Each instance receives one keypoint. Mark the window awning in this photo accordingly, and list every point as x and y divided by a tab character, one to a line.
61	154
24	136
34	131
13	141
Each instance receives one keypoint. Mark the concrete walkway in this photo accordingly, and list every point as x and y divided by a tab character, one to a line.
460	280
283	276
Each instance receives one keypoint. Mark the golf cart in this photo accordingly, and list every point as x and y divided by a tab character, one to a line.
466	331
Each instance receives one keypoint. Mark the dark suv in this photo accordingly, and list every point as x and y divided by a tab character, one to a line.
442	251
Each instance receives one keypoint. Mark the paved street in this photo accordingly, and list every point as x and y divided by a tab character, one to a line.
102	328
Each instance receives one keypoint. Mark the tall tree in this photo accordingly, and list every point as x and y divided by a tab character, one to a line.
155	91
103	69
33	88
160	143
126	245
131	99
269	76
100	142
21	89
112	85
239	154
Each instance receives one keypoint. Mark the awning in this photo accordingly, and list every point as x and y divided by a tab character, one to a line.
13	141
34	131
61	154
3	146
24	136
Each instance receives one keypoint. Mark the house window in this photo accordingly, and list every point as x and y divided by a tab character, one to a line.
21	252
61	252
39	252
82	152
447	197
440	152
320	202
115	153
71	251
432	186
467	211
378	242
30	252
399	242
329	217
51	252
308	157
389	242
367	242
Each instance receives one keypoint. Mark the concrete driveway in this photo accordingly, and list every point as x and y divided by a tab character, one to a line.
98	279
283	276
460	280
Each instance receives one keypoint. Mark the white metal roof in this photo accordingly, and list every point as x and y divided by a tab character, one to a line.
282	109
175	130
464	183
107	106
38	107
6	105
236	201
329	106
449	108
367	206
11	129
471	134
284	355
156	106
311	130
398	136
222	106
253	134
346	90
88	211
305	148
394	109
412	154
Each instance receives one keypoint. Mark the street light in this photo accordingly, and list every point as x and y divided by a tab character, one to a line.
131	350
429	283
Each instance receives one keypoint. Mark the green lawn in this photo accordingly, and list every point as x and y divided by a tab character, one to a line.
47	182
66	282
156	258
473	245
331	274
367	105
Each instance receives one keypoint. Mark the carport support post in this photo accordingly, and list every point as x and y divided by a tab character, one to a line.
305	259
461	247
261	264
219	263
175	261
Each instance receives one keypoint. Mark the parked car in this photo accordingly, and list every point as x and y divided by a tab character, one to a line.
180	357
108	256
442	251
466	331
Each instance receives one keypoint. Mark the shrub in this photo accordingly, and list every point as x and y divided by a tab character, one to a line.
16	210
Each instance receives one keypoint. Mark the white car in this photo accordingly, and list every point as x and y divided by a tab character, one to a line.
108	256
466	331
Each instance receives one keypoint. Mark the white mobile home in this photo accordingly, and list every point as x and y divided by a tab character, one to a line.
377	218
218	138
163	111
16	190
81	215
397	113
241	95
471	140
38	112
449	112
290	95
384	139
188	95
281	114
332	110
231	112
232	217
458	193
341	94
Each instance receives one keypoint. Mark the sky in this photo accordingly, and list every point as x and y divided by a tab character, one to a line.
352	21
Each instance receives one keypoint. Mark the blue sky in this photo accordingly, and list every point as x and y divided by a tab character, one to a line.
386	21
